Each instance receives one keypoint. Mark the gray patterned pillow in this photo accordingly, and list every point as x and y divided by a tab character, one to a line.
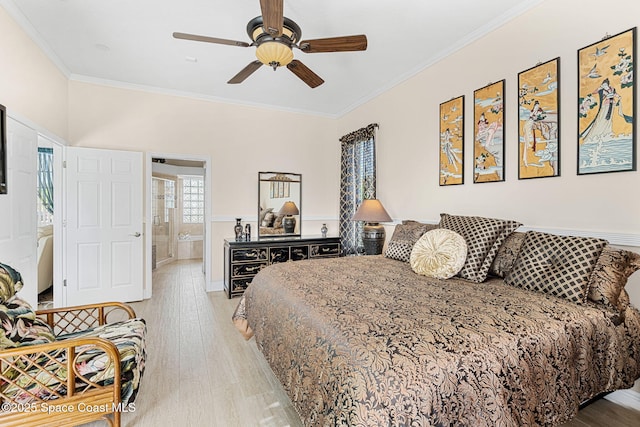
556	265
507	254
484	236
404	236
609	277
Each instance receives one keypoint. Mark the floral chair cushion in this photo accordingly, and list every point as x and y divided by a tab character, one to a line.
92	364
129	338
10	282
19	325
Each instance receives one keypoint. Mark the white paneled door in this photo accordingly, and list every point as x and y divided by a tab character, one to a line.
103	226
18	208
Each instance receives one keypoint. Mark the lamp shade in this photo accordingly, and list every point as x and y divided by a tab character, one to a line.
371	210
289	208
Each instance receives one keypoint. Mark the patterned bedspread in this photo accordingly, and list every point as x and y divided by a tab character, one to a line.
365	341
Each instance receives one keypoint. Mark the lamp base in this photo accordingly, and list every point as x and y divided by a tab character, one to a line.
289	224
373	238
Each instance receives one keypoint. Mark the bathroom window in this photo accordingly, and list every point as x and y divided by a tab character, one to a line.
192	200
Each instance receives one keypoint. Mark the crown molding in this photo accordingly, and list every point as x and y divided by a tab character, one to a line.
17	15
470	38
191	95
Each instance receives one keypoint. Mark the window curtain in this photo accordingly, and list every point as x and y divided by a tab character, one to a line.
357	182
45	177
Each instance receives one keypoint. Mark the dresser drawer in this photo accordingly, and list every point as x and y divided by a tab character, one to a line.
325	249
278	255
239	285
249	254
247	268
299	252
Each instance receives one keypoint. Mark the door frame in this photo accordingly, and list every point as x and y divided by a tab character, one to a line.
59	273
206	244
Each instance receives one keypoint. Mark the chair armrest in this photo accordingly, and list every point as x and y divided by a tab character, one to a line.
36	376
66	320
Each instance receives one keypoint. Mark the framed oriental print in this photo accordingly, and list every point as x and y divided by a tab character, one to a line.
488	135
539	121
452	141
606	105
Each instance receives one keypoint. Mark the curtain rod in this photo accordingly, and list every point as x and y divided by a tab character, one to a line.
364	133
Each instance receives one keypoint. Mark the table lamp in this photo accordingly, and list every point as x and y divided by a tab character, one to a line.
372	212
289	222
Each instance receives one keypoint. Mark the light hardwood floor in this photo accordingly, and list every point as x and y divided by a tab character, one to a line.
201	372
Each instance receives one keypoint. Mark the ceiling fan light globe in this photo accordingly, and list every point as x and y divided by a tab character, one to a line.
273	52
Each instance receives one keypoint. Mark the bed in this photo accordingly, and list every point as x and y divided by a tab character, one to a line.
366	341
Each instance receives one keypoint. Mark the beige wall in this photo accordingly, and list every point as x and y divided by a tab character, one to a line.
408	135
30	84
240	140
244	140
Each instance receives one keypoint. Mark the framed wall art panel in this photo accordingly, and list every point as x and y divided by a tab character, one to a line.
539	121
452	141
488	144
606	105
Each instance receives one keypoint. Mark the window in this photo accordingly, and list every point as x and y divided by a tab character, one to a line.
45	186
169	198
192	200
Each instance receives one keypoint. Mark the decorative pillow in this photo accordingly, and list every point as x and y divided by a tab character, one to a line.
404	236
19	325
439	253
277	222
10	282
484	236
268	219
610	276
556	265
263	213
507	254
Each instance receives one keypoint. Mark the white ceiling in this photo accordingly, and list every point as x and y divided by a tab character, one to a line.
130	43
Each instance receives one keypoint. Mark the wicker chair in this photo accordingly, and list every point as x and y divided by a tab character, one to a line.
67	366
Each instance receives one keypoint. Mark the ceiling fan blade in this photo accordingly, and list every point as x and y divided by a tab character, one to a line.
206	39
335	44
245	72
272	16
305	74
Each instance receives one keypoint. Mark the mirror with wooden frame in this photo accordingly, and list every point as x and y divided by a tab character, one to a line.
279	204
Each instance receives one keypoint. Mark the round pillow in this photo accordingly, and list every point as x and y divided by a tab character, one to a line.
439	253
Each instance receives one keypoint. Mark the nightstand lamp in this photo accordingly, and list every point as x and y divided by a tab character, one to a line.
289	222
372	212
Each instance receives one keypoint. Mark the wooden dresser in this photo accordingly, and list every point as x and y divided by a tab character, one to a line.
243	260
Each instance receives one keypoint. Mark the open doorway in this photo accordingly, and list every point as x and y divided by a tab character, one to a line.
48	197
177	213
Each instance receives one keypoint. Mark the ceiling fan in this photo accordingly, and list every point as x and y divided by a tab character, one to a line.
275	36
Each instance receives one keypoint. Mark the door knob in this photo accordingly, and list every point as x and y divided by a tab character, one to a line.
136	234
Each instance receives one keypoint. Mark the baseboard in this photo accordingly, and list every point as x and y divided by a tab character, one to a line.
628	398
218	285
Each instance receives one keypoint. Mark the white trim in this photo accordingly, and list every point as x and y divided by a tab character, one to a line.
615	238
628	398
218	285
192	95
17	15
620	239
33	125
470	38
